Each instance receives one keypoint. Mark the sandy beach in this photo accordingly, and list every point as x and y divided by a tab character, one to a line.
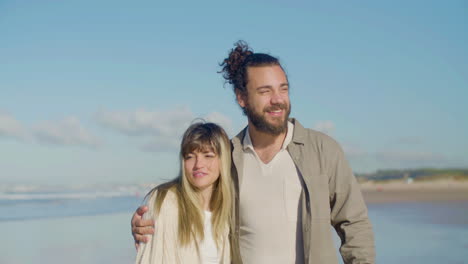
399	191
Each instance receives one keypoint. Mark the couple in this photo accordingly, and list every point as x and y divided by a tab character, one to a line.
286	186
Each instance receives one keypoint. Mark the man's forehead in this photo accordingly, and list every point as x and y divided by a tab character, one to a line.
266	75
262	68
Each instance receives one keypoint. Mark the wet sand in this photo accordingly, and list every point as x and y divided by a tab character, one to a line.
396	192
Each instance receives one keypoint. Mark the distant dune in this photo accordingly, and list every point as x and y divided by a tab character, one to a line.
417	191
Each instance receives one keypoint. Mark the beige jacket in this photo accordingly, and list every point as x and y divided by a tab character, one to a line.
163	246
331	197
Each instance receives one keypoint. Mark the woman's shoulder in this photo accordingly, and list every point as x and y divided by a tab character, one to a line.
170	199
165	198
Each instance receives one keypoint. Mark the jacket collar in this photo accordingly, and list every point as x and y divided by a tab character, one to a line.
300	132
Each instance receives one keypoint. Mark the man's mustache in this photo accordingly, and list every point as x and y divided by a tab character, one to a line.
276	107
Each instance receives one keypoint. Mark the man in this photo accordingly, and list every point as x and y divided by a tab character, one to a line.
291	183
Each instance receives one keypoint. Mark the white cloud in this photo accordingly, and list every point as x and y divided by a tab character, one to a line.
162	129
143	122
222	120
10	127
327	127
67	131
162	144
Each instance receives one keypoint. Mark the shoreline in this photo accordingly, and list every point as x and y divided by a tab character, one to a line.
400	191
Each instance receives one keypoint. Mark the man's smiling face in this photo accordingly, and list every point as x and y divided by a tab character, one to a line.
266	102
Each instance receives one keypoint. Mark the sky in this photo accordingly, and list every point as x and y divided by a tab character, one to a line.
100	91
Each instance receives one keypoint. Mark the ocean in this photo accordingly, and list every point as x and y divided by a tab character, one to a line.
93	226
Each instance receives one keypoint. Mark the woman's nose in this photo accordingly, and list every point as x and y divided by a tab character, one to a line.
199	163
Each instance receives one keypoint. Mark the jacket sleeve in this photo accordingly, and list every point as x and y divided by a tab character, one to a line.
349	212
161	247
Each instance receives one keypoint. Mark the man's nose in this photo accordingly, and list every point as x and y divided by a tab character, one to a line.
277	97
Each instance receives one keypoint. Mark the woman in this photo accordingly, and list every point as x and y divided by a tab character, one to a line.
193	211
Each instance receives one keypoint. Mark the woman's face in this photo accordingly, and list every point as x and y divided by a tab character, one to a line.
202	168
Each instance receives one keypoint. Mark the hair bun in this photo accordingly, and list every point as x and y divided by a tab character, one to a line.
235	60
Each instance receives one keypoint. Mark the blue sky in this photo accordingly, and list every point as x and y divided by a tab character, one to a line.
100	91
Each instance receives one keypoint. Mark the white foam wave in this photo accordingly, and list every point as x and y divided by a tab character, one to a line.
61	196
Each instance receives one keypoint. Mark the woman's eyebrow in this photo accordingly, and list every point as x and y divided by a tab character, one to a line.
207	150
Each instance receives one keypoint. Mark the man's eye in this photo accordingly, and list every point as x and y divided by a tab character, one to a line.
187	157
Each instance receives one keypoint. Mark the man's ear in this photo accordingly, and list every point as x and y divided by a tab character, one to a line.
241	98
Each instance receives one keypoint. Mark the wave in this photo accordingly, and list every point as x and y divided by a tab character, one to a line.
60	196
42	193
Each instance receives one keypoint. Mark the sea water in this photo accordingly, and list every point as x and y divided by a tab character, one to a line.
94	227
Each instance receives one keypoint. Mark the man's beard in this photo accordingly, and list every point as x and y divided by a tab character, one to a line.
261	124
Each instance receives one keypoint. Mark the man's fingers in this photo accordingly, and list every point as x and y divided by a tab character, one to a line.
138	231
137	218
140	238
144	223
141	227
137	245
141	210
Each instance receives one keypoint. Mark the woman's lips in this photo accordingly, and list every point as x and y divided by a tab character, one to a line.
199	174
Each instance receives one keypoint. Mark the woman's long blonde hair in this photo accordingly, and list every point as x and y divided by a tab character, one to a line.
201	136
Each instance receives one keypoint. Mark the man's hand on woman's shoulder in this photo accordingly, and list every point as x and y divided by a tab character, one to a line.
141	227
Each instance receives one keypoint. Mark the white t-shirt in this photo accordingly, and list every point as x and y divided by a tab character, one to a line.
270	215
208	250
